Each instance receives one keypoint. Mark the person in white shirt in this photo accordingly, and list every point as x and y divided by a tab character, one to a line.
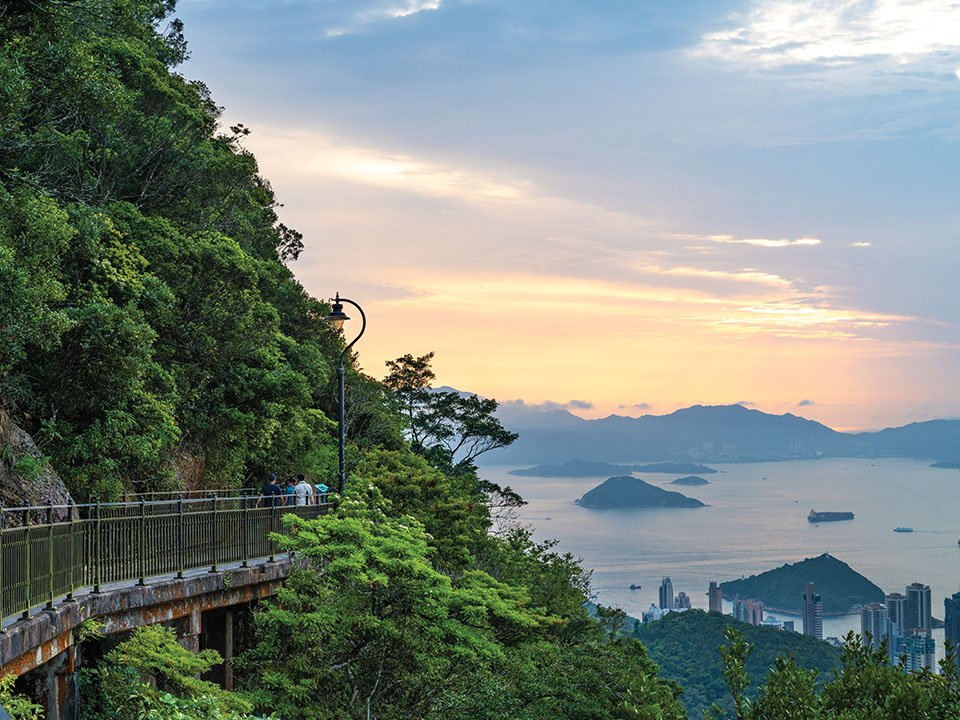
303	491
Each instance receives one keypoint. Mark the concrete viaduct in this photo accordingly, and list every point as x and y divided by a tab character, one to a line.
213	560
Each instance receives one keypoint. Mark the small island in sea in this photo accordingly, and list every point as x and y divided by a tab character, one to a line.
947	464
672	468
573	468
625	491
690	480
840	587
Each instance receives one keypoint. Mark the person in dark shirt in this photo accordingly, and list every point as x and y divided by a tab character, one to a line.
271	492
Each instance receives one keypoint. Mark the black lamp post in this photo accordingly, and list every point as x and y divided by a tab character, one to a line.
336	318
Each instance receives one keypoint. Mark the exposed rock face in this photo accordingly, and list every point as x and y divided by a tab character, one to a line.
24	475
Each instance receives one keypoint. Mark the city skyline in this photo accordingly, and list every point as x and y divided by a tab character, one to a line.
631	207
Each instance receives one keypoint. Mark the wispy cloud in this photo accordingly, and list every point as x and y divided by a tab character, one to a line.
763	242
840	33
392	10
750	275
806	403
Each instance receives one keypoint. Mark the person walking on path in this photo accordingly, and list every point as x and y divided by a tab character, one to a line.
288	492
270	492
303	492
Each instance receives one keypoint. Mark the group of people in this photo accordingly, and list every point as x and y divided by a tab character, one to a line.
293	491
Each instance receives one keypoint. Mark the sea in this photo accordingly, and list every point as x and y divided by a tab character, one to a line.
756	520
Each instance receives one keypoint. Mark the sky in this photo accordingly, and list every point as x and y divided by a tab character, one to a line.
618	206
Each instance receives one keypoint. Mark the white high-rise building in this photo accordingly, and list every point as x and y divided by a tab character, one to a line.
872	624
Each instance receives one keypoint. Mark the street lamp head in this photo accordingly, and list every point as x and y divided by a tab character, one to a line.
337	316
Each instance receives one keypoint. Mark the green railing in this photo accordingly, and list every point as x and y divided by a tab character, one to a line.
51	552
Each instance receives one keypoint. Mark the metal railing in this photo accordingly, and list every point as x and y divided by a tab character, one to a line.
53	551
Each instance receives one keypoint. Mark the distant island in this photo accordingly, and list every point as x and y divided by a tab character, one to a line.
841	588
573	469
625	491
671	468
690	480
947	464
587	468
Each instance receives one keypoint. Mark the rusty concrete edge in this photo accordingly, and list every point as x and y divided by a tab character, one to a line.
29	643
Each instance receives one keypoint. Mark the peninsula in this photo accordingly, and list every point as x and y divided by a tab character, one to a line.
841	588
672	468
625	491
573	469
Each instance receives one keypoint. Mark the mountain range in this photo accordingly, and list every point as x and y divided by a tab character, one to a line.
715	433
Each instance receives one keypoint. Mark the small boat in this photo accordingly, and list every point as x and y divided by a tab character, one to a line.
634	587
902	529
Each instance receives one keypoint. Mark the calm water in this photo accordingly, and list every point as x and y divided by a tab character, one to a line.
756	520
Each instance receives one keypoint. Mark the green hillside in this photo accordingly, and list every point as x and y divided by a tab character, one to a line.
840	587
685	646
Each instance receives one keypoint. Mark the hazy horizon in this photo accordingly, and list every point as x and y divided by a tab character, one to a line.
632	206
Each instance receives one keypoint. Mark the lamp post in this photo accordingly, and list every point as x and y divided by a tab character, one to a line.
336	318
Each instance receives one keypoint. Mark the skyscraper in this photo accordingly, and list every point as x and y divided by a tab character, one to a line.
920	648
715	597
951	619
872	625
894	624
681	601
666	594
918	607
812	612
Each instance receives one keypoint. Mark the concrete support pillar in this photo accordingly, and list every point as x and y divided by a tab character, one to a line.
228	650
55	684
190	634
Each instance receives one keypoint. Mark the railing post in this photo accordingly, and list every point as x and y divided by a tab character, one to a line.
26	525
2	523
98	558
244	520
73	550
142	569
180	536
213	535
273	526
50	552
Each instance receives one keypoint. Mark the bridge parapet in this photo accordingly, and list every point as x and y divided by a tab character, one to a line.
94	545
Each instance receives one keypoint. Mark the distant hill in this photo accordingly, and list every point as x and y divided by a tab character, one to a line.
947	464
573	469
840	587
685	646
690	480
626	491
672	468
724	433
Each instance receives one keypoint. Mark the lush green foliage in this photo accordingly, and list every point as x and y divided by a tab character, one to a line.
152	676
839	586
867	687
18	707
146	317
685	644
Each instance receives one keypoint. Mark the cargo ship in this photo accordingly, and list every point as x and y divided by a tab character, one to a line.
815	516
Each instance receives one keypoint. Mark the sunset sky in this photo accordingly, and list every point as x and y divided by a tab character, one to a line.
635	206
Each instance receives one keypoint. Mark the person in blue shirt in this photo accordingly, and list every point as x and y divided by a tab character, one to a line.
289	494
270	492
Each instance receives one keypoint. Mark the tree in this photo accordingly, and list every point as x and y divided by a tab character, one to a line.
451	429
365	623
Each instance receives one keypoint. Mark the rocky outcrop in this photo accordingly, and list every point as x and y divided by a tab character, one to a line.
24	473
